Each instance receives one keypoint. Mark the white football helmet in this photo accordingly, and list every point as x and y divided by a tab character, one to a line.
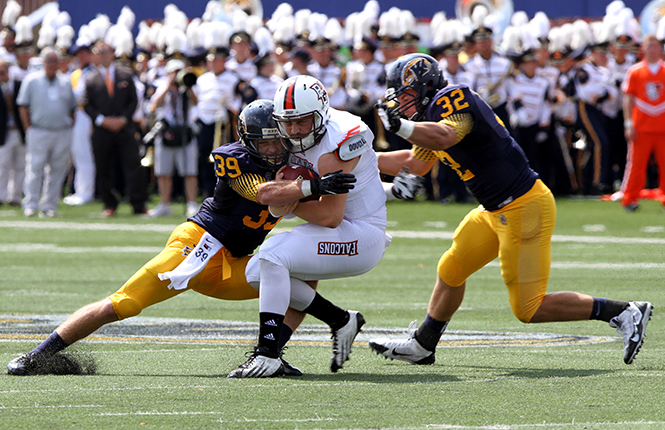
298	99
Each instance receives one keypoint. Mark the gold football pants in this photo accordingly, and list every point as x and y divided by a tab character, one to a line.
222	278
520	234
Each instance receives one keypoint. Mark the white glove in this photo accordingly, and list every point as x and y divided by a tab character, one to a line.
406	186
390	119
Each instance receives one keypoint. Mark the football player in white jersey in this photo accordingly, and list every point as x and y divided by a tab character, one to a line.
345	234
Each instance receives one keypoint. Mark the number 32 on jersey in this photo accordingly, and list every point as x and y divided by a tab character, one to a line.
452	102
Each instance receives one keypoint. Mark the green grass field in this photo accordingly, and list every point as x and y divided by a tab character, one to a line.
492	372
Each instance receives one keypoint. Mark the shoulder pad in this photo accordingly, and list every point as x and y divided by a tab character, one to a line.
353	147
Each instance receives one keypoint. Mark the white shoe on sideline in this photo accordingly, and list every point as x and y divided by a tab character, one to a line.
48	213
162	209
75	200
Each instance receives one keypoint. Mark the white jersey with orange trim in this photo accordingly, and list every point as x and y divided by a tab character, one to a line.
348	137
357	244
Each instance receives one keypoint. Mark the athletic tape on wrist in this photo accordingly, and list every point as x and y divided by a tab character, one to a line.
406	129
306	188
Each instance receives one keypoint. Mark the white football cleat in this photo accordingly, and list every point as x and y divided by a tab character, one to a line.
343	339
259	365
409	350
631	324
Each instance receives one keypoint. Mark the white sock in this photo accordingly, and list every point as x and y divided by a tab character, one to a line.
301	294
275	289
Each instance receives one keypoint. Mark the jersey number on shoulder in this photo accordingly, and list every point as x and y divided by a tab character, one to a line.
228	166
263	217
456	99
448	161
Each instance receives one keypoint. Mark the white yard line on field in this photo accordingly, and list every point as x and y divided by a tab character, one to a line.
405	234
51	248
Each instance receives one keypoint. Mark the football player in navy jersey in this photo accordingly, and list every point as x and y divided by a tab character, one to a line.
209	252
514	222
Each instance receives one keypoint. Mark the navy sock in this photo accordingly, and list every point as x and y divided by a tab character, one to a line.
269	330
430	332
51	345
284	336
606	309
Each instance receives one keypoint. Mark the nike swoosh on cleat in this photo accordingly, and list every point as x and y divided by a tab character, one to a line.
394	352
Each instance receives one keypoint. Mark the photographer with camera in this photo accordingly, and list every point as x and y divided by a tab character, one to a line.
174	105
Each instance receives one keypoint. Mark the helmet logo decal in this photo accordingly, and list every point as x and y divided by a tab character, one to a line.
321	92
414	69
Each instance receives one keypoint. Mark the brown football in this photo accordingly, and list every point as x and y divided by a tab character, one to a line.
300	173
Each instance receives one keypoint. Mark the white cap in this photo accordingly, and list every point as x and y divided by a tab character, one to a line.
174	65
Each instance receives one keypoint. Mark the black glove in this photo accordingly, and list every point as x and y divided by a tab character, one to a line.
406	186
390	119
332	183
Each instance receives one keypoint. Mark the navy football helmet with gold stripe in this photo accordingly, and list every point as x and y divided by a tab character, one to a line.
256	123
419	72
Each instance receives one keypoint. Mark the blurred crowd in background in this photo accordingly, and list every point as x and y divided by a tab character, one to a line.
152	102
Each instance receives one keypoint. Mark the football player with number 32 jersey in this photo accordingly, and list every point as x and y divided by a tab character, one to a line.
514	222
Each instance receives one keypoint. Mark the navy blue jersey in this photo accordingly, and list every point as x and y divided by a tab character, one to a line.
487	158
232	215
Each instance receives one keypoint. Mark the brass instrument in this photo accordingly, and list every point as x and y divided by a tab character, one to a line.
651	14
224	9
357	101
489	93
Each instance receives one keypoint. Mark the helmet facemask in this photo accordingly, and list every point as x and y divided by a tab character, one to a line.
301	112
420	100
417	72
302	141
256	125
271	162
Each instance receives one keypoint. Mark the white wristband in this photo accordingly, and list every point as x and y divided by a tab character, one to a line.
406	129
388	189
628	123
306	188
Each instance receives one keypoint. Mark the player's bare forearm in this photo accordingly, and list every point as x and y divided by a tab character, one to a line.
279	192
433	135
628	103
391	163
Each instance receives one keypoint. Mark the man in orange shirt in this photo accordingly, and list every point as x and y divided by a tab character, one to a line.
644	101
